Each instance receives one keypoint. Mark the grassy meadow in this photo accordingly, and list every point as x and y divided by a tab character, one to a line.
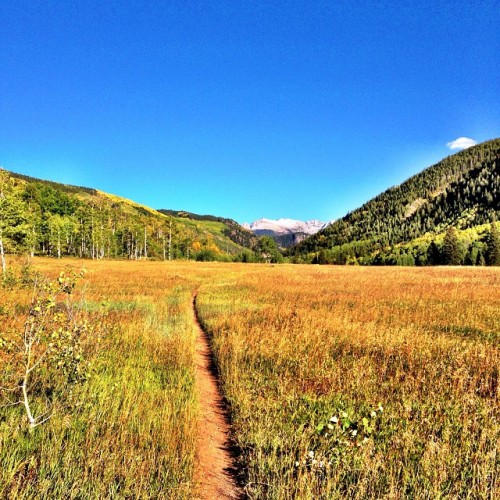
342	382
131	432
361	382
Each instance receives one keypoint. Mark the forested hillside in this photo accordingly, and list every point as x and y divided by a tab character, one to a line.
461	191
47	218
233	230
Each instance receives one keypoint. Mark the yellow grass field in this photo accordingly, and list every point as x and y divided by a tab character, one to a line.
342	382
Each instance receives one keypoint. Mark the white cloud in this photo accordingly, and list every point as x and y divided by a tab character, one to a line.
461	143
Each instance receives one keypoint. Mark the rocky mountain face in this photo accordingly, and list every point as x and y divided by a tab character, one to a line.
286	232
284	226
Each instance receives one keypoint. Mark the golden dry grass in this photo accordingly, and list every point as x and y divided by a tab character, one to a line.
295	346
299	345
132	433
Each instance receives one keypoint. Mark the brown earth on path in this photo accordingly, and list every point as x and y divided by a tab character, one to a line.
214	467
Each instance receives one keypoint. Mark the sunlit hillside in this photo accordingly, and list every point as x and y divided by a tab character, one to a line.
46	218
461	191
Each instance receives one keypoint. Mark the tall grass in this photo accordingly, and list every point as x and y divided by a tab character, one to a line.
413	351
342	383
131	432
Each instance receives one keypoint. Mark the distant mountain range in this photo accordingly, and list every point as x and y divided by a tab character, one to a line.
405	224
284	226
286	232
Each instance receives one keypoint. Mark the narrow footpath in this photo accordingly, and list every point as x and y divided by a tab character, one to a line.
214	468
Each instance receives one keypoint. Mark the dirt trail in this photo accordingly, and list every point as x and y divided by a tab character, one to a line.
214	469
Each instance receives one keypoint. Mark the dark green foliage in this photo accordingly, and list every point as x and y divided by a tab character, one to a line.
142	210
465	246
463	190
190	215
322	257
65	188
268	250
481	260
246	256
49	199
493	246
452	252
206	256
434	254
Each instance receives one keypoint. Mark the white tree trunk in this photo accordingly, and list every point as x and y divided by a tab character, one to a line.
170	241
2	255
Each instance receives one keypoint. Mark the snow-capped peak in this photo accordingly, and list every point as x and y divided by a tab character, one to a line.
284	226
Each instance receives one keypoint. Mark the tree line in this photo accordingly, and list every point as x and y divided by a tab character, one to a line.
476	246
39	218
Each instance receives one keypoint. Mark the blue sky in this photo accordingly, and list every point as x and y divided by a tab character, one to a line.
244	109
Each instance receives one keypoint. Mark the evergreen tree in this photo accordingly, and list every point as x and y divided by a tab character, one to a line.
464	186
471	259
452	255
480	259
433	254
493	245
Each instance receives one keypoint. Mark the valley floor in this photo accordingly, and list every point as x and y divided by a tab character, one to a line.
339	382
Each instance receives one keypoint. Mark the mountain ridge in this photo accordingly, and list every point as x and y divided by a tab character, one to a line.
462	190
286	232
284	226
